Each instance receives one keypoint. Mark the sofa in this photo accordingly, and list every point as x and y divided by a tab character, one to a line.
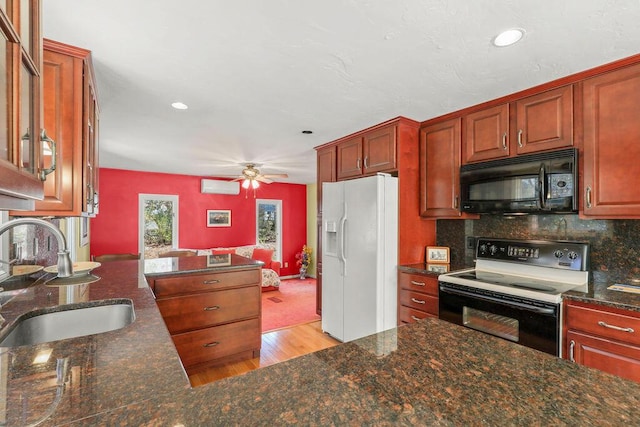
264	253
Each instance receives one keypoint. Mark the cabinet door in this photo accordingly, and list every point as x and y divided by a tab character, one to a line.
440	170
62	93
326	171
20	121
90	146
611	144
349	155
609	356
486	134
545	121
379	150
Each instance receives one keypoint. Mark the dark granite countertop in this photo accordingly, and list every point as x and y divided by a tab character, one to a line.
427	373
599	293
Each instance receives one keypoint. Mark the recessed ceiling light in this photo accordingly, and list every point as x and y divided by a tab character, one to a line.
179	106
508	37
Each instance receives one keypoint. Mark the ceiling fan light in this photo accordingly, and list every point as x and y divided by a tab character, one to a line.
246	183
255	184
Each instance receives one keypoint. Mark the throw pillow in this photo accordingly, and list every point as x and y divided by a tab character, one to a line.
223	251
263	255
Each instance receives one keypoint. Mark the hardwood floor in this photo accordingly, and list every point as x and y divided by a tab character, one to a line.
277	346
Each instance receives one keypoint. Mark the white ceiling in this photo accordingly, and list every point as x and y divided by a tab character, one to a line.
256	73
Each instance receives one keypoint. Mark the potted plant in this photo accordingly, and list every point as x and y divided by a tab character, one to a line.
304	258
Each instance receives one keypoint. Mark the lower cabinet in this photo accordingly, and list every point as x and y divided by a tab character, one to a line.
417	297
604	338
213	317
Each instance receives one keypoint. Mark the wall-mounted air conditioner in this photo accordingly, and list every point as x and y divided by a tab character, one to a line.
216	186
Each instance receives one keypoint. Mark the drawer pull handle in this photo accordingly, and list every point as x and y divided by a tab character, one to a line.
211	344
211	282
617	328
415	318
413	282
212	308
418	301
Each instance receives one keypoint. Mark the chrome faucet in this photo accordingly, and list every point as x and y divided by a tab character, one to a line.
65	267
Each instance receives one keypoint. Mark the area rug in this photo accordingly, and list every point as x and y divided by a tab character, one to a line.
292	304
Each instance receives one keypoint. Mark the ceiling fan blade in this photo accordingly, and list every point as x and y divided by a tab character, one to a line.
261	178
276	175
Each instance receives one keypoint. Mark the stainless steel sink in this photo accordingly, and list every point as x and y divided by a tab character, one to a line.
68	321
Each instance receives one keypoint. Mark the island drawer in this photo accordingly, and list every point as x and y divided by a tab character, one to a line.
410	315
606	323
418	283
192	283
191	312
216	342
419	301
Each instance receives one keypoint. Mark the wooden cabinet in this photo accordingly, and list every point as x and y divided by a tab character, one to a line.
611	103
70	117
486	134
326	172
544	121
21	169
417	297
212	317
440	170
603	338
539	122
367	153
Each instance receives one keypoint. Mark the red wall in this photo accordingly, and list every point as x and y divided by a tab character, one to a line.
115	228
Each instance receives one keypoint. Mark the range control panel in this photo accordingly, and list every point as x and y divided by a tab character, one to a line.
542	253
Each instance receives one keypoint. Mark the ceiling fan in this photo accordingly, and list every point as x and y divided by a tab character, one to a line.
251	177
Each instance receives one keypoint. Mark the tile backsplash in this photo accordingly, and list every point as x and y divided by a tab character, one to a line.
615	244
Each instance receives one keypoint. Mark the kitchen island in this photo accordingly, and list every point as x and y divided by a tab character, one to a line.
427	373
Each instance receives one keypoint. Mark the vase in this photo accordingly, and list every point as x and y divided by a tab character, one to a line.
303	273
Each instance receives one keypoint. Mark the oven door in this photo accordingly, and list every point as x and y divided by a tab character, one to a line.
528	322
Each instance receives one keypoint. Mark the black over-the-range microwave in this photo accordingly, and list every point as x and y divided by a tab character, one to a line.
533	183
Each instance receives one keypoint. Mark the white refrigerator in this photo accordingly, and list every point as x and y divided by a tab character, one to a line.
359	256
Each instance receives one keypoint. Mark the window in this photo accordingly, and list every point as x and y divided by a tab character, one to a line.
269	225
157	224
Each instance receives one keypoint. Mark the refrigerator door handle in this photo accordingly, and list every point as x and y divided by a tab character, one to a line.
343	224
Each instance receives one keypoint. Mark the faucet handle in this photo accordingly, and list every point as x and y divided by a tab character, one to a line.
65	266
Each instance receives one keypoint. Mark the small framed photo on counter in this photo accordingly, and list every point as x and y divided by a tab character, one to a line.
438	268
437	255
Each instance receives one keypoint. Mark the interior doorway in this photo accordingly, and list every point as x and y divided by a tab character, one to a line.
157	224
269	225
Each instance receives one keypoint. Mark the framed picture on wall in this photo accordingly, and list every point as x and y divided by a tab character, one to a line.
437	255
218	218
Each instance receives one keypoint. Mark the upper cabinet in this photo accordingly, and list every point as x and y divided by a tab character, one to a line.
21	171
71	119
611	166
368	153
486	134
440	170
539	122
326	171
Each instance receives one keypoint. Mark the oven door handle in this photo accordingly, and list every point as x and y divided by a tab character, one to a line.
541	310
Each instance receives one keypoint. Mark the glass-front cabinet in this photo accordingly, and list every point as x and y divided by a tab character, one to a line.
21	173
